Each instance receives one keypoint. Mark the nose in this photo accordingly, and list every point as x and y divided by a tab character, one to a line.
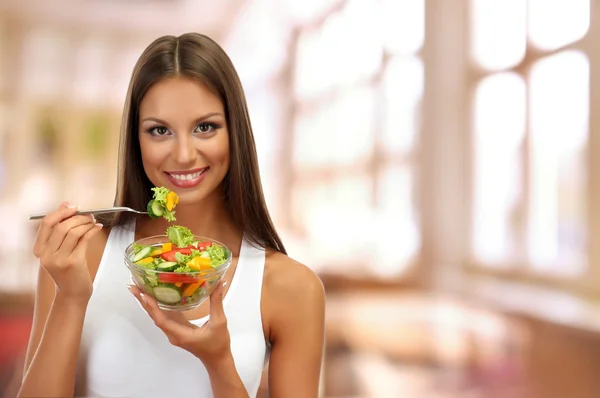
185	152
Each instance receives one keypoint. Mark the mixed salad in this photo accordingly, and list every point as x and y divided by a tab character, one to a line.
185	265
163	203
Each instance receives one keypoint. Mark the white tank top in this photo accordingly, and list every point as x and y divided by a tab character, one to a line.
123	354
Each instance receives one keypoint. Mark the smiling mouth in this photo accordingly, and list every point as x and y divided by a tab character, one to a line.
187	175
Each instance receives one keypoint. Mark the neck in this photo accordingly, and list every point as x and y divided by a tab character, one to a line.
210	219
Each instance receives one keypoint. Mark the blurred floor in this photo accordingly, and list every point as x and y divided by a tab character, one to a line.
414	344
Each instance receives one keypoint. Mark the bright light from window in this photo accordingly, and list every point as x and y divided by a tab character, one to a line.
352	54
335	214
341	53
340	133
403	25
499	132
556	23
403	84
498	33
559	130
351	118
398	237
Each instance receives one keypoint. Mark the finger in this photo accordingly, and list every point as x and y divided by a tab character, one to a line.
62	206
134	290
59	232
81	247
217	313
72	238
47	225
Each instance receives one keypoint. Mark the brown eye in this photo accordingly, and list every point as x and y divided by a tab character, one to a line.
159	131
205	128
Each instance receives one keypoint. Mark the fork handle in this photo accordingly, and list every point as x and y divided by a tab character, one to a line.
95	211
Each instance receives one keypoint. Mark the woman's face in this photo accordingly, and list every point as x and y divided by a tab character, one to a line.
184	138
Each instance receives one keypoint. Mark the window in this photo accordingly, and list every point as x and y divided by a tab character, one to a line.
358	86
531	102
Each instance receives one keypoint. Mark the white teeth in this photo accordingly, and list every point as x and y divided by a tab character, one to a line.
187	177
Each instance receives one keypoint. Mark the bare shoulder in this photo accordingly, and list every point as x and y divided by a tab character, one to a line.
285	277
290	287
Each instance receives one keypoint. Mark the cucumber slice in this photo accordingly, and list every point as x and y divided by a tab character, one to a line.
145	252
167	294
155	209
167	266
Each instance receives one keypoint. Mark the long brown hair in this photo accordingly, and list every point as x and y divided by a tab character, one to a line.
198	56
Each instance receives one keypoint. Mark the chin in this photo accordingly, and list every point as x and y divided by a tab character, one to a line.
195	195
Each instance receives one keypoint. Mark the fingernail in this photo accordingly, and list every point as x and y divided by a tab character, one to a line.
143	298
99	225
72	206
224	284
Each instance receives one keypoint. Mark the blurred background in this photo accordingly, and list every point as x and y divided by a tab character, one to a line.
432	160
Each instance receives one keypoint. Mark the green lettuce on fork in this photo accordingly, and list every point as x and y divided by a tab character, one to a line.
163	203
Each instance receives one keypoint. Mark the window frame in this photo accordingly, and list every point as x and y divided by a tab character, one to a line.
374	166
588	282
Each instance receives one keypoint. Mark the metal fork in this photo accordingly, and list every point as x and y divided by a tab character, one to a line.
95	211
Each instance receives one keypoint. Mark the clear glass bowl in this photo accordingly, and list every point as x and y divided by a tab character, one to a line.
175	291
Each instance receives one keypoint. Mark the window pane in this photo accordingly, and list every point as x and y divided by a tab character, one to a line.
396	222
559	130
335	214
355	53
403	88
339	133
556	23
498	32
403	25
312	126
310	78
340	54
500	106
306	11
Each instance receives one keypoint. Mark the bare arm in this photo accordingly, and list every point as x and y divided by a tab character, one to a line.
44	298
225	380
295	306
53	367
51	359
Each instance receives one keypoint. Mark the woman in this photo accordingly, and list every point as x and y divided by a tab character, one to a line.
185	127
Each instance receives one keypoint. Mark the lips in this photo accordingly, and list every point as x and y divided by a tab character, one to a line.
188	178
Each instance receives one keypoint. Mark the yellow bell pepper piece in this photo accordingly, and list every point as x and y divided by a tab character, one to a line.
199	263
191	288
167	247
146	260
172	200
156	252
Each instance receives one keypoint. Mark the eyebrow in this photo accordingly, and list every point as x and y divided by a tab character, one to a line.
198	120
